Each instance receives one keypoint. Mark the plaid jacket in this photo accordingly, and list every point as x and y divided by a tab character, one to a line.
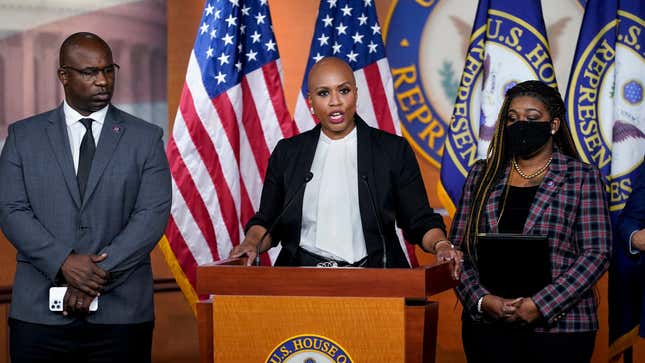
570	208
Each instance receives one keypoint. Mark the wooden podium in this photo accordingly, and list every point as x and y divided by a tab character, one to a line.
370	314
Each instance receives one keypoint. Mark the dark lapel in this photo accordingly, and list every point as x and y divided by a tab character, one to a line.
493	203
304	158
550	185
111	133
366	171
364	152
59	142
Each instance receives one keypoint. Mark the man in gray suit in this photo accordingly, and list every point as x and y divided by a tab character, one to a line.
85	196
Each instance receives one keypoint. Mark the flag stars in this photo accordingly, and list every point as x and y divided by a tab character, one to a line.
209	9
332	3
328	20
260	18
270	45
351	56
341	29
251	55
223	59
358	38
235	2
263	2
213	33
231	20
240	48
238	65
209	52
256	37
347	11
204	28
336	47
367	3
323	39
218	14
220	77
246	11
317	57
243	29
228	39
372	47
376	29
362	19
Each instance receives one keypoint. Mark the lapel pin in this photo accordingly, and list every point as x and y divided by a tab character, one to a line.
550	183
116	129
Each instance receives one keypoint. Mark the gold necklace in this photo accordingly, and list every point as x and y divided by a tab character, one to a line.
535	173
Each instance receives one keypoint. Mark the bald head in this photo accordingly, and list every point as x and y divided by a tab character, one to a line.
333	96
80	40
326	66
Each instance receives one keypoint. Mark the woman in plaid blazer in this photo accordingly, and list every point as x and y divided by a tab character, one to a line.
534	183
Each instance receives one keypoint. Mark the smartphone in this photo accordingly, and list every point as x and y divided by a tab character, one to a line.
56	295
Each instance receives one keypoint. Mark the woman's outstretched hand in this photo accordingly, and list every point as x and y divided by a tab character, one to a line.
448	253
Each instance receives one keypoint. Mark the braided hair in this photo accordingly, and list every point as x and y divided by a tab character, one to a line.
498	154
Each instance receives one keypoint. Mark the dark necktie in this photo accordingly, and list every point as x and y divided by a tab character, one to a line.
88	147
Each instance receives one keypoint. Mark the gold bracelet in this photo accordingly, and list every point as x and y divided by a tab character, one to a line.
435	243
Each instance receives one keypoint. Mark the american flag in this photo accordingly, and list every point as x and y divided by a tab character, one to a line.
349	29
231	115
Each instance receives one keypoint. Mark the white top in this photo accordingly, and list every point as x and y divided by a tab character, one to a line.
76	130
331	202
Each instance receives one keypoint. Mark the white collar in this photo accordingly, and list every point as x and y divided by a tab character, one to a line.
72	116
326	139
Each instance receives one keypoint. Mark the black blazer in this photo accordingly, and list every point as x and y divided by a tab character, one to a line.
385	162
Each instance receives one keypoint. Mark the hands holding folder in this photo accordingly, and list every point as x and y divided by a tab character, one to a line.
513	267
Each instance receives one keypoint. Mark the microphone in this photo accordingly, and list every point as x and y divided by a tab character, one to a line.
378	221
307	179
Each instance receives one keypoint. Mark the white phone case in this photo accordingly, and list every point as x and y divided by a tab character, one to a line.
56	295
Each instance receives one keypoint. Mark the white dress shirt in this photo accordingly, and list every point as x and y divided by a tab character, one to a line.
76	130
331	216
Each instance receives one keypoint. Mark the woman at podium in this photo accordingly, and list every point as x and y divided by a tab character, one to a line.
331	195
532	184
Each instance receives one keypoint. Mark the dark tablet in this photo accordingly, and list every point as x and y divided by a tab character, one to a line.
513	265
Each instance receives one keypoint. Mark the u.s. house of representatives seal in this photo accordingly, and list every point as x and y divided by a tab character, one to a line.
425	79
606	107
308	348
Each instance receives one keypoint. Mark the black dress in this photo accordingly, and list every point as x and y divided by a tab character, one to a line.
516	209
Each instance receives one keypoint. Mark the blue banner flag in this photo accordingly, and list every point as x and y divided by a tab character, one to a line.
607	119
508	45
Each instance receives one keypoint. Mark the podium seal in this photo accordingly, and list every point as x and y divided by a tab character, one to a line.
308	348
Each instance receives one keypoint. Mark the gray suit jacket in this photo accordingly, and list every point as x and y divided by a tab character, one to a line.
124	212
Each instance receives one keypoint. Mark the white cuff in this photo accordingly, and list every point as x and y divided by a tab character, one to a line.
479	305
629	244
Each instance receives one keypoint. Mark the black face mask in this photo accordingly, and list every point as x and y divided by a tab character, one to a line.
526	137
